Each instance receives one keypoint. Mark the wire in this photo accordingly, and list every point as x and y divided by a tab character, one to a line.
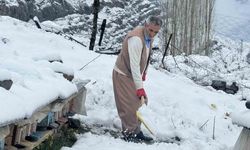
212	72
90	62
179	50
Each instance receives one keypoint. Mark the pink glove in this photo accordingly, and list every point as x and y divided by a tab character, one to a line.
141	92
144	76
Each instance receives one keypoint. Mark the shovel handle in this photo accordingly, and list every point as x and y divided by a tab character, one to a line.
139	116
142	100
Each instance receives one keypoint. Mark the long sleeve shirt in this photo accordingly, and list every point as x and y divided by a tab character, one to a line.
135	47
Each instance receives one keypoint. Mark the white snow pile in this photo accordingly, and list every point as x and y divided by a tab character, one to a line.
51	26
5	75
10	2
25	54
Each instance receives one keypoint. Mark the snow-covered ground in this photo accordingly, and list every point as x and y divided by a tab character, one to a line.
232	19
24	59
177	106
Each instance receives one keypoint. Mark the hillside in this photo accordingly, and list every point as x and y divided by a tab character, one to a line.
183	108
174	100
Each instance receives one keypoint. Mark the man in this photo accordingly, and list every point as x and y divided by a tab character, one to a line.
129	72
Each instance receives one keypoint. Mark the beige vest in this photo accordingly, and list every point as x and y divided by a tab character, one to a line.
123	62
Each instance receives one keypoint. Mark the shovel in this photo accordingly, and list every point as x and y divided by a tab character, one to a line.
139	116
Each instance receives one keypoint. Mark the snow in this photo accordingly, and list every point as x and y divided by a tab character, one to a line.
233	8
89	141
88	2
74	3
11	2
232	19
5	75
35	82
177	106
241	118
48	57
51	26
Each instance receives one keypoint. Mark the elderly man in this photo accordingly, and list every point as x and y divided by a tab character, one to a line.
128	75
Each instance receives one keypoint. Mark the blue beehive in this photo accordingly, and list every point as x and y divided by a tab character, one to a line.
2	143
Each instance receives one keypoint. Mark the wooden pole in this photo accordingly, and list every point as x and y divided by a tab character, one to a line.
165	52
96	6
214	129
102	31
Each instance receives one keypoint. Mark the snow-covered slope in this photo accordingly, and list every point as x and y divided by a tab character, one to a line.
232	19
177	107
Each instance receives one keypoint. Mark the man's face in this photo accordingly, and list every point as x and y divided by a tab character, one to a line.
152	29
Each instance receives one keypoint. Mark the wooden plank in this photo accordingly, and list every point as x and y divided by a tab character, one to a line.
80	86
31	145
243	142
10	148
2	141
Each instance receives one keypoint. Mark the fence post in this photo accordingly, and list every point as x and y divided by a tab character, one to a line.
102	31
95	7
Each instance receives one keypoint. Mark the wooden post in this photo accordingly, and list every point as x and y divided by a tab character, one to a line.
243	141
214	129
36	20
95	7
165	52
102	31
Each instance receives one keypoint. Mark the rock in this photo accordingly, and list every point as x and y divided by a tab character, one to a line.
219	85
247	104
248	58
222	85
232	89
74	123
68	77
44	11
6	84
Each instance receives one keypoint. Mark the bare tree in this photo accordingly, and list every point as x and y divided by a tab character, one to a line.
190	22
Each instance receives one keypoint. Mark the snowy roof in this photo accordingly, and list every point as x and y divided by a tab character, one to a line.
25	54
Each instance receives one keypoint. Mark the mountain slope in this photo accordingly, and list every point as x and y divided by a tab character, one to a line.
232	19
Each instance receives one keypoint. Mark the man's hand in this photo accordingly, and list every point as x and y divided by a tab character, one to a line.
144	76
141	92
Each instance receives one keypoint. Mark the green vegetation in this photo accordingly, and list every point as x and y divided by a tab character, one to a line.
64	137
